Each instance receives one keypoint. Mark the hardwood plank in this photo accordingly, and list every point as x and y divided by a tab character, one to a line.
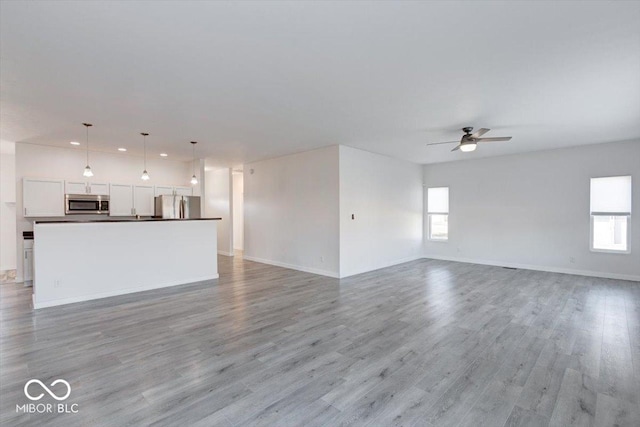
520	417
586	353
576	405
617	377
358	383
426	343
541	390
616	412
456	401
409	410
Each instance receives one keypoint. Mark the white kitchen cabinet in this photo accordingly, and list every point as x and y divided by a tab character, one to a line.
143	200
42	197
75	187
82	187
27	259
98	188
163	191
121	200
183	191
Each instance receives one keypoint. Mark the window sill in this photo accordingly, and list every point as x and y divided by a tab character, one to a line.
611	251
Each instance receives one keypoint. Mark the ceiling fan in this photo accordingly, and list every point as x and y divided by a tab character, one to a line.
469	141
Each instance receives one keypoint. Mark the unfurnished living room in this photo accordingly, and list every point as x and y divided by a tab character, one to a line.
319	213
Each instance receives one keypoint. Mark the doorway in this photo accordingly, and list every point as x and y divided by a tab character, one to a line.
238	211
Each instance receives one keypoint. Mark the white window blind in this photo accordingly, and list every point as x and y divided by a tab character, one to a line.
438	200
611	195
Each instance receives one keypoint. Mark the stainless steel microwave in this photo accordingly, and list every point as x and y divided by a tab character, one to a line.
87	204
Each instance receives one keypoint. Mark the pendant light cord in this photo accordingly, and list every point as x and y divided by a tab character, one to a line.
87	126
144	142
194	180
87	144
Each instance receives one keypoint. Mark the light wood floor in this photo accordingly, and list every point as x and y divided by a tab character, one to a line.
427	343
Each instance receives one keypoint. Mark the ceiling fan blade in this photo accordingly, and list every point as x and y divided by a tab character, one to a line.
502	138
457	148
479	133
448	142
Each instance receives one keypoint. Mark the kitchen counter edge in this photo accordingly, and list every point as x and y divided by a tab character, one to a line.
88	221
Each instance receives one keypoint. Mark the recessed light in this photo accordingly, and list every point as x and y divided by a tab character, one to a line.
74	143
122	149
163	154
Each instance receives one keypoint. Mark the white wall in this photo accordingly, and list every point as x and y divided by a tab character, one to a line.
7	207
144	255
291	211
532	210
385	197
238	210
68	163
218	205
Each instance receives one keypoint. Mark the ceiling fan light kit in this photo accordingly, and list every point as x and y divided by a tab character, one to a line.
469	146
469	141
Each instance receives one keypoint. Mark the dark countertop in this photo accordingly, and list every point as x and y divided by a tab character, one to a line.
147	219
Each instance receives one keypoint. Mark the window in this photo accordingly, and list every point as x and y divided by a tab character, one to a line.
610	213
438	213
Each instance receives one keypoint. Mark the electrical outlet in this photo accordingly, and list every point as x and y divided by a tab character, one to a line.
321	259
572	260
56	283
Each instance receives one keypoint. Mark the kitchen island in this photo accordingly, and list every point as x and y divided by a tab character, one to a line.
88	259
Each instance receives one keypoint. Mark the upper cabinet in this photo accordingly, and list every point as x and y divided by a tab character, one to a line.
42	197
75	187
162	190
81	187
99	189
143	200
45	197
183	191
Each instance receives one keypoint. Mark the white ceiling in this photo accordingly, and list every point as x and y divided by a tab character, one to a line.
255	80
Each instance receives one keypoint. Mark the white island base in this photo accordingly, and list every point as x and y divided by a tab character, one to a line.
80	261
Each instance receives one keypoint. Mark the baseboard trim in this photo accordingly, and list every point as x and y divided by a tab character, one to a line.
383	265
588	273
225	253
292	266
116	293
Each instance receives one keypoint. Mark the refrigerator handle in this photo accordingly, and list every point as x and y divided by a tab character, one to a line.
182	208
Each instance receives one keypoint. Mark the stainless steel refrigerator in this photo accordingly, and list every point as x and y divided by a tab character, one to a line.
177	207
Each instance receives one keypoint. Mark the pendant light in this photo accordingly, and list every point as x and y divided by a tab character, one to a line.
145	175
194	180
87	170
